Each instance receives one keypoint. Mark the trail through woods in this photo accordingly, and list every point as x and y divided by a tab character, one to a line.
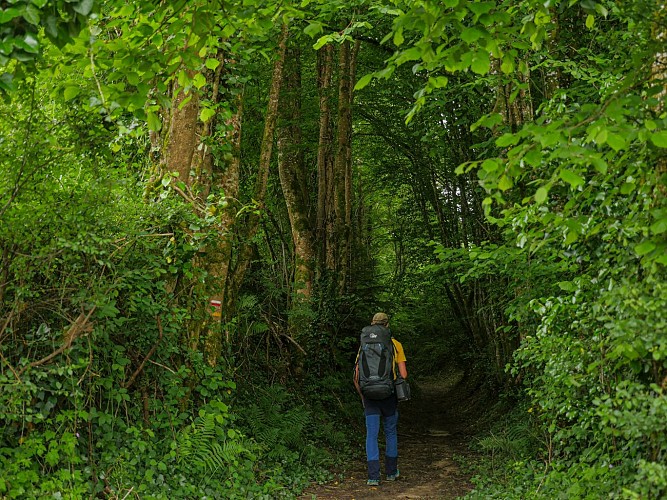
432	432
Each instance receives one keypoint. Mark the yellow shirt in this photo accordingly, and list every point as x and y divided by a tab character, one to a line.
400	354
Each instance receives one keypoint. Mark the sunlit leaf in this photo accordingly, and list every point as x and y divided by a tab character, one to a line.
659	138
154	122
644	248
363	81
206	114
313	29
616	141
541	194
470	35
398	37
507	140
627	188
490	165
659	226
199	80
71	92
571	178
212	63
505	183
481	63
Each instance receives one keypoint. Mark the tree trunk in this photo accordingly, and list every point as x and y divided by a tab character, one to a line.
182	136
219	257
325	159
235	276
343	167
293	176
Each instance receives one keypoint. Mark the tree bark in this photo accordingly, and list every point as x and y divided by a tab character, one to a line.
325	157
343	167
236	275
293	177
182	135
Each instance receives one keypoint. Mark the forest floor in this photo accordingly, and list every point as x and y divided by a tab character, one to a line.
434	434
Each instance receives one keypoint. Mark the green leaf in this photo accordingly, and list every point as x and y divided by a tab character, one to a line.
437	82
322	41
600	165
132	78
627	187
481	64
84	7
199	81
541	194
206	114
386	72
488	121
507	65
601	137
590	21
571	178
480	8
507	140
398	37
534	157
659	226
411	54
154	122
363	81
71	92
9	14
31	14
644	248
616	141
470	35
659	138
505	183
490	165
571	237
313	29
30	44
212	63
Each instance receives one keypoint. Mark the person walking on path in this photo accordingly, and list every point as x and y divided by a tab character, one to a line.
384	409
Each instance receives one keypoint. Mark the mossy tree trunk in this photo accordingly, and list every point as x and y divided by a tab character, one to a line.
294	183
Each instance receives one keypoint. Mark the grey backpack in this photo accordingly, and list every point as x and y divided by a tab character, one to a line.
376	361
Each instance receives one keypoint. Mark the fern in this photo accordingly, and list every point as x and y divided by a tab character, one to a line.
205	444
513	441
276	427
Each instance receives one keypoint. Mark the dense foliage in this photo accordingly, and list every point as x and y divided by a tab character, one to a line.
198	213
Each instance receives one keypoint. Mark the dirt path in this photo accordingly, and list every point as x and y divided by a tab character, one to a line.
431	432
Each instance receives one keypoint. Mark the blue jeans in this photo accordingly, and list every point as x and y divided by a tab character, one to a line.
390	424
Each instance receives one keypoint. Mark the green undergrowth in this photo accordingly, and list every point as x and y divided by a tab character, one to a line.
102	394
590	420
239	443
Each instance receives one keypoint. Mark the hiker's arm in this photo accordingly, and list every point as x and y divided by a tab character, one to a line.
403	369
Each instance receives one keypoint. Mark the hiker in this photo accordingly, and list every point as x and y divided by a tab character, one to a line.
379	356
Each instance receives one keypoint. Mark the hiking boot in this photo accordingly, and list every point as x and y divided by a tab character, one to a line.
393	477
373	482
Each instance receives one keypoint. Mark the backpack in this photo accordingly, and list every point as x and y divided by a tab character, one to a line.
376	362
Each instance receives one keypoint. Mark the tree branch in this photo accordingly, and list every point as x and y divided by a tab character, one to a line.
79	326
150	353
